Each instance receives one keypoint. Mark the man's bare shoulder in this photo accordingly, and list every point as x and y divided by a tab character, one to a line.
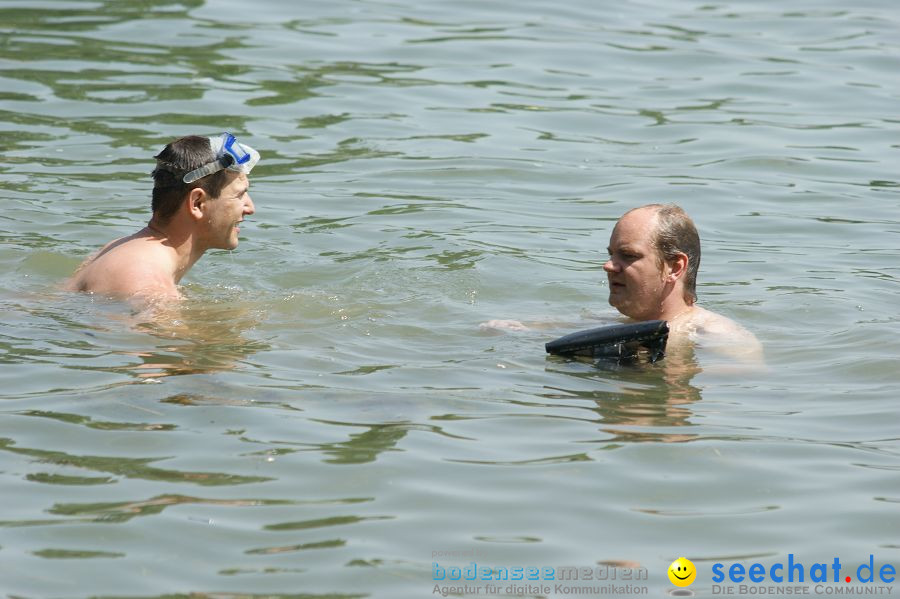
721	334
127	267
711	323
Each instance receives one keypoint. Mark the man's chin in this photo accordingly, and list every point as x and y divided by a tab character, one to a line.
615	302
227	246
622	307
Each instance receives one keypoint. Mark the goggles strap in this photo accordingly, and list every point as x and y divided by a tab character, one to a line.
207	169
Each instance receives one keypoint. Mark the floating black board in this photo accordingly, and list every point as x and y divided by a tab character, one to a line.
622	342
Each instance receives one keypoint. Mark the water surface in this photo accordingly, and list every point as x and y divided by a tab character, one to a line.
324	412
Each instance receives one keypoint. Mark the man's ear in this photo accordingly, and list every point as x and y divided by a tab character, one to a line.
677	267
196	203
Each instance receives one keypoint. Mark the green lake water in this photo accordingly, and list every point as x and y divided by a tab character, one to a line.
325	418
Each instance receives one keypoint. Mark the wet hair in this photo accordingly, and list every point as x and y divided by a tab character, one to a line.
675	233
176	159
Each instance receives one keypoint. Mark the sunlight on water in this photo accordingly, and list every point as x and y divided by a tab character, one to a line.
323	415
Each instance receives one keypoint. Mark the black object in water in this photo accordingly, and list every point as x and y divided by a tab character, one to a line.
621	342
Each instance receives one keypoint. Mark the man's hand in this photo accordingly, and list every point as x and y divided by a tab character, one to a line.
507	325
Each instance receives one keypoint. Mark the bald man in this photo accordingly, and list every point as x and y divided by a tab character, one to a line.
654	257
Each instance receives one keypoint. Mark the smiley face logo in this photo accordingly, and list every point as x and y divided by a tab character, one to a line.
682	572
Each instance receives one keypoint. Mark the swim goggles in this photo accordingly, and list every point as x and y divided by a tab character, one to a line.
230	154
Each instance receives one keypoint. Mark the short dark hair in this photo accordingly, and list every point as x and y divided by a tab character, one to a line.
675	233
177	159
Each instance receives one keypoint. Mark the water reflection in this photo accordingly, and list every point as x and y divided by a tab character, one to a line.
360	448
277	549
89	422
135	468
643	396
124	511
411	189
198	338
365	447
209	332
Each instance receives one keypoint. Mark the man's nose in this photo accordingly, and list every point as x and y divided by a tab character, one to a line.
610	266
249	208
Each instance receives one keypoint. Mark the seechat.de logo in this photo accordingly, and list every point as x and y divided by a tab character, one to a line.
798	571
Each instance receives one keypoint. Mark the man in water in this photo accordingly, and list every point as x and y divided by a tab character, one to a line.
654	256
199	198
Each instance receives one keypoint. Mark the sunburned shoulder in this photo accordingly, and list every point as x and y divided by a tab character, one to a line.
720	334
125	269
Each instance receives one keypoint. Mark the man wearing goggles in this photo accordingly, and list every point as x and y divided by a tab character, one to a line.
200	197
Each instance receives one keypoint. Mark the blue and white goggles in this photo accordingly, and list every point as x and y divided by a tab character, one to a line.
230	154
